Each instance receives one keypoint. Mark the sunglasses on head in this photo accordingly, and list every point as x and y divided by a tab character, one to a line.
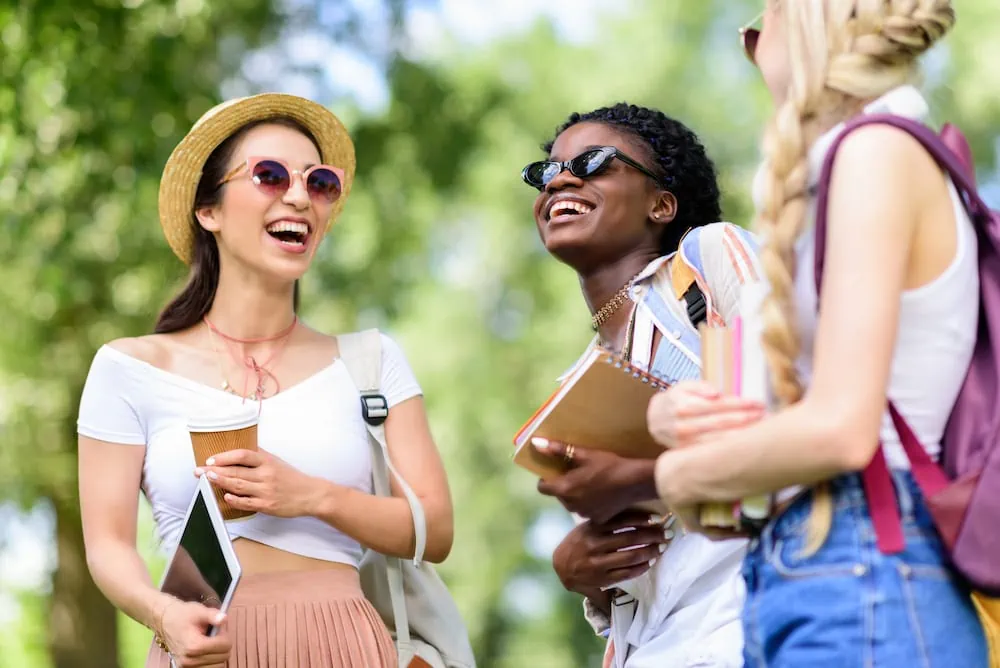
589	163
273	177
749	36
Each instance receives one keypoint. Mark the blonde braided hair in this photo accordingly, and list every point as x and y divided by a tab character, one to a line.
842	53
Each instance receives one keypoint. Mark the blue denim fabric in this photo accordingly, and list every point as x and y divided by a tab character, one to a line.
849	605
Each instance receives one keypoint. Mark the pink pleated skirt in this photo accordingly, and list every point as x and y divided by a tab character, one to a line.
314	619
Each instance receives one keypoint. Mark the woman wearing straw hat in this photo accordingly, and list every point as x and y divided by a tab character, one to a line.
245	200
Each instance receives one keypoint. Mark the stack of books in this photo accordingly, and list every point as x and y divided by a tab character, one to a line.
601	405
732	360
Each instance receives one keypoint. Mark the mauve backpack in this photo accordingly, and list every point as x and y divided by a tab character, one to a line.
964	495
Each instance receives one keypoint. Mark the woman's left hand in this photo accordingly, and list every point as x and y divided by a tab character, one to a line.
260	482
692	410
597	485
689	515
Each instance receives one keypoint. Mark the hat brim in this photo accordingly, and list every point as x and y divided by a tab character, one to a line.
184	167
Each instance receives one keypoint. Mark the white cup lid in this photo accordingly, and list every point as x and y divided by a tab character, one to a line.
222	422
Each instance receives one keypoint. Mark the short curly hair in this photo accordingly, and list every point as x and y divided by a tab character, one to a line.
681	163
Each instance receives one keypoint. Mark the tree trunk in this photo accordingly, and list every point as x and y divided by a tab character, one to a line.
83	625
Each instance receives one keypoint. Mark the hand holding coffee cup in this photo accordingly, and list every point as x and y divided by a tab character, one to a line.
257	481
247	480
211	436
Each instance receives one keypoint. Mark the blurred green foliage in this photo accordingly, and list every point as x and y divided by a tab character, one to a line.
437	246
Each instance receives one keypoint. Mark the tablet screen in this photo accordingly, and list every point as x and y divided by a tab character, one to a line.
198	571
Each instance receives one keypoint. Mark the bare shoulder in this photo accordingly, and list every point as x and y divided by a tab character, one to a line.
322	344
887	157
154	349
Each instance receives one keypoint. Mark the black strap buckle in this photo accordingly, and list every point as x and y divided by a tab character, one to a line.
374	408
696	307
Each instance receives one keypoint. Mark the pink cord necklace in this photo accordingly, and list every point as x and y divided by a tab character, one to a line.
249	363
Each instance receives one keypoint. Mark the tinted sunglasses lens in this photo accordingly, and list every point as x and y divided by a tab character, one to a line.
538	174
271	177
590	163
750	37
324	183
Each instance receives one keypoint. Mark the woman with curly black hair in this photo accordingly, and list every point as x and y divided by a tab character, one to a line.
628	198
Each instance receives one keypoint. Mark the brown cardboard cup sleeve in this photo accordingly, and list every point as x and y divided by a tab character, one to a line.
216	434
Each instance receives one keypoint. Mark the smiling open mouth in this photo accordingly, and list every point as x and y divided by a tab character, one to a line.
569	208
289	232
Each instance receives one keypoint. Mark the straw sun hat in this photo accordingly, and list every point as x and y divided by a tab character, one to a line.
183	169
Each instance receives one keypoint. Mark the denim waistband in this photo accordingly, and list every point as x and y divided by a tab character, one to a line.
848	493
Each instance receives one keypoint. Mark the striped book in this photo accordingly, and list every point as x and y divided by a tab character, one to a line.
732	360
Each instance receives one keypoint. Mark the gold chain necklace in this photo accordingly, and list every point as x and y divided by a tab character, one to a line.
626	351
602	314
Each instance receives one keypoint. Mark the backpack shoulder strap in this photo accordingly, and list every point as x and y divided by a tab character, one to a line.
682	279
697	309
361	353
876	478
934	145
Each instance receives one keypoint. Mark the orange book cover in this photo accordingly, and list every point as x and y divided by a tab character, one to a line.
601	405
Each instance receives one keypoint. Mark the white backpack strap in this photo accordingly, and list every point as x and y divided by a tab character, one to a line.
362	355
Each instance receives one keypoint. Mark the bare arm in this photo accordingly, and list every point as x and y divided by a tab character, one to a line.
882	183
385	524
109	497
260	482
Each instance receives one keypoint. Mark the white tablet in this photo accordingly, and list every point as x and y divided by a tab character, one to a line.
203	567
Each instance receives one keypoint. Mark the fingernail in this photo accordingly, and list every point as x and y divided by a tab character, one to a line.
198	473
219	618
663	548
656	519
210	461
540	443
212	475
652	562
669	534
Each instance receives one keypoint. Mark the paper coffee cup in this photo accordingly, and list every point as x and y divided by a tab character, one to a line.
212	435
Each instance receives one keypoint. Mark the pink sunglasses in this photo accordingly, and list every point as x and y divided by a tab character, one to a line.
273	177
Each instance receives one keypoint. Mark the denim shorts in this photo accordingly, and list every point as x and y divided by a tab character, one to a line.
848	604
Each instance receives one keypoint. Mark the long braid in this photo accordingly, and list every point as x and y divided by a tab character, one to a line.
841	52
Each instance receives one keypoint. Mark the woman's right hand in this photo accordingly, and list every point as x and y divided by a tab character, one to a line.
690	410
184	628
593	556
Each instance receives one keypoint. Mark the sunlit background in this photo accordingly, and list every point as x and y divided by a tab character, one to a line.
446	101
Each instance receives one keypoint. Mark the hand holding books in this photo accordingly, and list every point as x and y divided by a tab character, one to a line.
599	485
694	411
732	394
589	442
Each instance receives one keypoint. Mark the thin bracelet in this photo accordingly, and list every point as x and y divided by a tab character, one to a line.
158	627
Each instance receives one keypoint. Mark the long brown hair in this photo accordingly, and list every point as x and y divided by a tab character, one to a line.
194	301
